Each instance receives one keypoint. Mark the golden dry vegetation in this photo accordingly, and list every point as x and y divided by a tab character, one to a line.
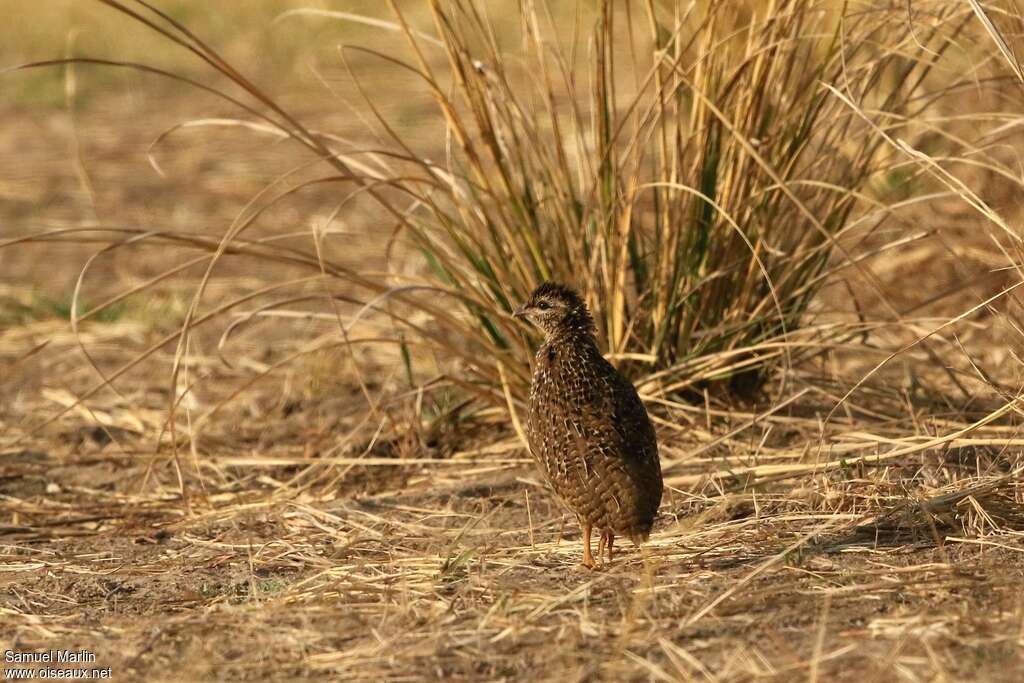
259	388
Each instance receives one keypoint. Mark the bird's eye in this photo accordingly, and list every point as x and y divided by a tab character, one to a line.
543	305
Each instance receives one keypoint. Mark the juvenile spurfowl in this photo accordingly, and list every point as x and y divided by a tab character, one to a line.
588	430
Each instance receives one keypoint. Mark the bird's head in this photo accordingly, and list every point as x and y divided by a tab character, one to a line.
556	309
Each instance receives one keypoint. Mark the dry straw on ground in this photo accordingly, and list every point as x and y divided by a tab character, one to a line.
260	391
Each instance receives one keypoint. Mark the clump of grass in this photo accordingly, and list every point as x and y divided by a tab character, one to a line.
684	166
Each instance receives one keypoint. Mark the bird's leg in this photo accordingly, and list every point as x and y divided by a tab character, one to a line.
588	559
606	541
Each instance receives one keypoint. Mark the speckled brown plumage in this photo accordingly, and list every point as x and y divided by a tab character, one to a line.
587	428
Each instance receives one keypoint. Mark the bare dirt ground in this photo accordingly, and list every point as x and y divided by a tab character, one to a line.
301	531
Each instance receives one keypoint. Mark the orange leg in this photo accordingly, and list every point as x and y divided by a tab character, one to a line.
607	540
588	559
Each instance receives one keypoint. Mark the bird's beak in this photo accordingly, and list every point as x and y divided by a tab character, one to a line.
520	312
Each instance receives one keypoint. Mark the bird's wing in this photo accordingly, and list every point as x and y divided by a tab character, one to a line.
617	421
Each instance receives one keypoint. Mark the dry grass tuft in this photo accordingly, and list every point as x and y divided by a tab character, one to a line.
691	170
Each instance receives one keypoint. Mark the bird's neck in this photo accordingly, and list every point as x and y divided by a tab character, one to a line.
575	336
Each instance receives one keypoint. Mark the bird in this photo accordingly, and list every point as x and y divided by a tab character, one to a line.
587	429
